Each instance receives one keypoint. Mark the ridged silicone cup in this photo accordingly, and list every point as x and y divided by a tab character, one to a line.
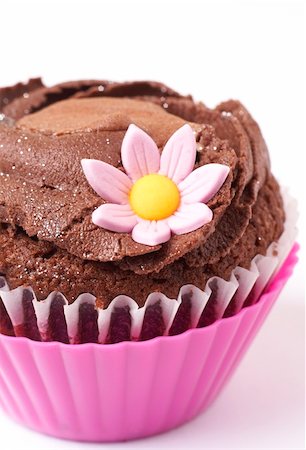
129	390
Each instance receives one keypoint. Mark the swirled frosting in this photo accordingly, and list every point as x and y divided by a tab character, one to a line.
47	236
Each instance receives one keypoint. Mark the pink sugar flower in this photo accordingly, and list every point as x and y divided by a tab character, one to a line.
159	193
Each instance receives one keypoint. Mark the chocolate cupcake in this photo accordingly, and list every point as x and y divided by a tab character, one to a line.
56	236
130	212
47	233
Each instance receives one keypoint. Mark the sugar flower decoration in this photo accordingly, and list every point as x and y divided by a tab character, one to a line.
158	193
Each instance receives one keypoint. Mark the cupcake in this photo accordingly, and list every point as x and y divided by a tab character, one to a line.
130	212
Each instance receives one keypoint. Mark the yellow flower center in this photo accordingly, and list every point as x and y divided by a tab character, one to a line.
154	197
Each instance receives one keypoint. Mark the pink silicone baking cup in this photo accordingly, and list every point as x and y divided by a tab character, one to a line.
92	392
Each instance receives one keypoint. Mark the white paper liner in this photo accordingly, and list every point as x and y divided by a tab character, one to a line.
42	310
243	283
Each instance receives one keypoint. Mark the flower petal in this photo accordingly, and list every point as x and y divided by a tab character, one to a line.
151	232
112	217
189	218
110	183
179	154
203	183
139	153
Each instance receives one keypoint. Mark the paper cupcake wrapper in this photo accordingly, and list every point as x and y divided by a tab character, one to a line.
53	319
129	390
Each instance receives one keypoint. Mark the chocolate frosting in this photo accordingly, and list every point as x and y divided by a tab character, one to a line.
48	237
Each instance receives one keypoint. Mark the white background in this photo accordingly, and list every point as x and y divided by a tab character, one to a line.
252	51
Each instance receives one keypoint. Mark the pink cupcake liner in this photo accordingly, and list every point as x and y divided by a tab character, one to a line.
127	390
